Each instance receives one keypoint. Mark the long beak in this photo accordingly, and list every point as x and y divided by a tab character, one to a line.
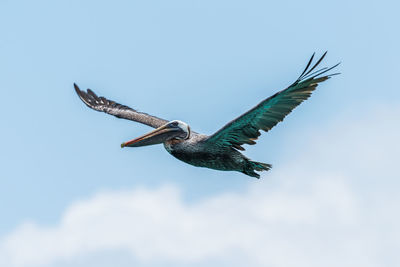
157	136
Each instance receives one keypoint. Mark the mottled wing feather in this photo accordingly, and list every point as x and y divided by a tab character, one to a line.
246	128
120	111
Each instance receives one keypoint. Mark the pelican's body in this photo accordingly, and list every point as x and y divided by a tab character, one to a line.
219	151
196	152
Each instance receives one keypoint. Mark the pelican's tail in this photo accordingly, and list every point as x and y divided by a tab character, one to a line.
253	166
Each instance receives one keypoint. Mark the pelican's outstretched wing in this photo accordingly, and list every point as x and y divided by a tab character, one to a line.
120	111
246	128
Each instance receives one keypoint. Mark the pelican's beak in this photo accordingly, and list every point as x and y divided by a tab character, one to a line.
157	136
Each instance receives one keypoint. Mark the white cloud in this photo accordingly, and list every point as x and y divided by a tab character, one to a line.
315	215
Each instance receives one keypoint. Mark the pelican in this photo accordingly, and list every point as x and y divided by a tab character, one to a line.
221	150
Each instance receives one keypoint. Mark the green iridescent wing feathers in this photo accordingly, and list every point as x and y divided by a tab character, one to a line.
246	128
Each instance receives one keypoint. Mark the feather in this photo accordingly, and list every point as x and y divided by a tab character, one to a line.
271	111
120	111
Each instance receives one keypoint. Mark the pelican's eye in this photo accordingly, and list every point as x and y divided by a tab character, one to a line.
175	123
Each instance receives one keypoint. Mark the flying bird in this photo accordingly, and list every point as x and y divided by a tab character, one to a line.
221	150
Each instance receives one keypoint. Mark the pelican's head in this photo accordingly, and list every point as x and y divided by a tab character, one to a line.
171	130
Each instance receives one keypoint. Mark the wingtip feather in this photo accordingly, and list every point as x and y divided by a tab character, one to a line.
77	88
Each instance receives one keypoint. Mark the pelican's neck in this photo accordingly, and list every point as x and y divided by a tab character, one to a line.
170	144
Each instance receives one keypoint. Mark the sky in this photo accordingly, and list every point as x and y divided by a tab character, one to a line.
69	196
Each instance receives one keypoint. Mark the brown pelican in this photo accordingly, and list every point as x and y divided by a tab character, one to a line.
220	150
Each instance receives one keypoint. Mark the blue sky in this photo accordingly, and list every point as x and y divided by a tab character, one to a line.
205	63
